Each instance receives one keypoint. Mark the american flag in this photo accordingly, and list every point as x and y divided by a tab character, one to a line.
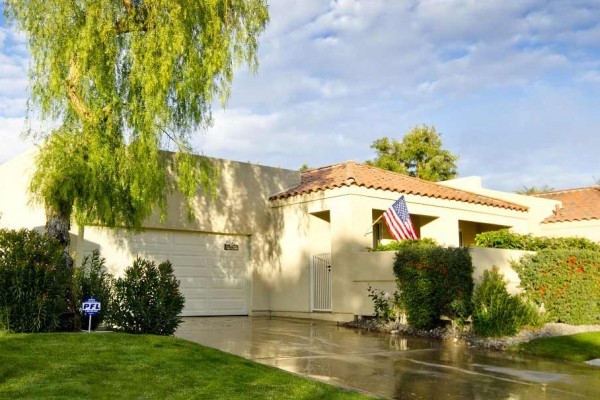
398	221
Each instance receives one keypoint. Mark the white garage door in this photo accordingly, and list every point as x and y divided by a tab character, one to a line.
214	280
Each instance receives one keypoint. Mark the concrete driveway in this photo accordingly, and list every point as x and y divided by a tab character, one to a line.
392	366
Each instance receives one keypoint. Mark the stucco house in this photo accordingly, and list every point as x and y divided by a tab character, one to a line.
280	242
578	214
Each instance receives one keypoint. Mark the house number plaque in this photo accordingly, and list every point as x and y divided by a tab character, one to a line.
232	246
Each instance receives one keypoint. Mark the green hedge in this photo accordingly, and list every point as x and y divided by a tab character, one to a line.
34	282
503	239
402	244
434	281
147	299
566	282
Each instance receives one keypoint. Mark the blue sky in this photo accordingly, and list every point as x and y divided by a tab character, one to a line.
514	87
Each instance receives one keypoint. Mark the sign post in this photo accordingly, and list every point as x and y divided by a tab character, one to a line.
90	307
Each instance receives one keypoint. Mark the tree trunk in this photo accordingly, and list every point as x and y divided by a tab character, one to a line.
57	227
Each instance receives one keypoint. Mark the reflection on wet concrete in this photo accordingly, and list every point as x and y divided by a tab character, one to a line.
391	365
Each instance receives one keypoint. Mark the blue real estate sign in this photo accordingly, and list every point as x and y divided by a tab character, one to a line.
90	306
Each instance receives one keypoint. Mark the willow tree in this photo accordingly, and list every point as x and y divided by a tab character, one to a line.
120	81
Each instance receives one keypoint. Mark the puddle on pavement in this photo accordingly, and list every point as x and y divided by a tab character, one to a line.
394	366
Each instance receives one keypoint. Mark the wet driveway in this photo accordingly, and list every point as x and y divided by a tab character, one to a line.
390	365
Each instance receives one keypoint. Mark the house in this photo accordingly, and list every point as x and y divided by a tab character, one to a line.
577	215
278	242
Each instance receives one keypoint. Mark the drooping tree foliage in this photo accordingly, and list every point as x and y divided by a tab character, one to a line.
119	81
419	154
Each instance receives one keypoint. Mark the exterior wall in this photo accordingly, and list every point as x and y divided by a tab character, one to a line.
285	234
586	229
304	234
539	208
15	209
350	234
486	259
375	269
241	208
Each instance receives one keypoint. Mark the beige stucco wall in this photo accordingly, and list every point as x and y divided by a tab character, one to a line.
241	208
285	234
15	209
375	269
485	259
585	229
539	208
350	234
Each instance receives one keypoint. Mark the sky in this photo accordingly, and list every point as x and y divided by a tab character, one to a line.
513	86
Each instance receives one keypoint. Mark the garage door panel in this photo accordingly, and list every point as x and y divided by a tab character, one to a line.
189	284
226	304
228	284
214	281
194	273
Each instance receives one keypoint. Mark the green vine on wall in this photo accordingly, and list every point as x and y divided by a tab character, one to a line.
565	282
504	239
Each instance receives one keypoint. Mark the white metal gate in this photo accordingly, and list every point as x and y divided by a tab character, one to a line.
321	282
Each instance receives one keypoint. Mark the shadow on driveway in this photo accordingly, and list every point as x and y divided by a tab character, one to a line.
392	366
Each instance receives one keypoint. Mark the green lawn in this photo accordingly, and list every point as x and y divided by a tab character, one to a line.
580	347
121	366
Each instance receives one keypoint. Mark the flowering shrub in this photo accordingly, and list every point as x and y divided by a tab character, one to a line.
565	282
434	281
386	306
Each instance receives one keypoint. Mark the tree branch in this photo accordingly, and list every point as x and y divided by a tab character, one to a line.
75	98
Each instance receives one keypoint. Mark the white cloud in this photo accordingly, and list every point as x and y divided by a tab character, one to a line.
505	81
12	107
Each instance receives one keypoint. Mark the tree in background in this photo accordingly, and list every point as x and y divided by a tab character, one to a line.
304	167
120	81
534	189
419	154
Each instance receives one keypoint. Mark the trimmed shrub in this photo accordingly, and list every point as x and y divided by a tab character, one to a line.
496	312
402	244
147	299
92	280
34	282
434	281
504	239
565	282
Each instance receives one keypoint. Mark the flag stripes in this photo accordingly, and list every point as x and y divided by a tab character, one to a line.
398	221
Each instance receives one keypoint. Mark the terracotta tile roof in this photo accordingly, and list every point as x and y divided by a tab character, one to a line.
353	173
577	204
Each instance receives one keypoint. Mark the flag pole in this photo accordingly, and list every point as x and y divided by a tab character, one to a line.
373	224
377	220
